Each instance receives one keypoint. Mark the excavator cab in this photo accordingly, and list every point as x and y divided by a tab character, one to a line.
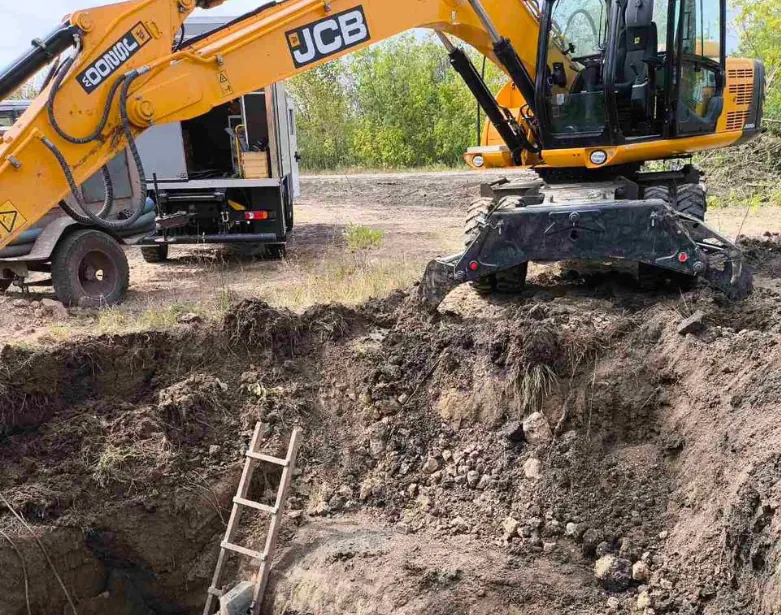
623	71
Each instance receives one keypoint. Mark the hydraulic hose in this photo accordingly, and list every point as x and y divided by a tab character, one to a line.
59	75
92	218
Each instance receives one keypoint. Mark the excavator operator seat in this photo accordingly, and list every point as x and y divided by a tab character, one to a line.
637	58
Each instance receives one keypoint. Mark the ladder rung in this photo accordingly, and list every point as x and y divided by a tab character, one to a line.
244	551
257	505
268	458
215	592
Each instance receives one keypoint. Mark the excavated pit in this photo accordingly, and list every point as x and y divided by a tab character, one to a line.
418	491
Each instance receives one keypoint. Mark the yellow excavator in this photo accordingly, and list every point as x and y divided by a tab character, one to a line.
595	89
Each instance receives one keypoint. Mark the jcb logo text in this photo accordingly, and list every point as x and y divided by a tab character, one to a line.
328	36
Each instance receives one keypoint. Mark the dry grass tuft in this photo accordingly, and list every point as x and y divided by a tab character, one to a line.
349	279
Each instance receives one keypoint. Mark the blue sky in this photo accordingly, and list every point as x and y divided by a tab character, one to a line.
20	22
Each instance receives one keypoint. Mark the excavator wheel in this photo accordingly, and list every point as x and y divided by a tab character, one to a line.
155	254
476	214
509	281
90	269
689	198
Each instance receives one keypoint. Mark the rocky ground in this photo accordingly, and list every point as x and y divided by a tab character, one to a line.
570	450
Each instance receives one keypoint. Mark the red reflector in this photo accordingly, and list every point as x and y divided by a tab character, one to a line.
473	265
256	215
683	257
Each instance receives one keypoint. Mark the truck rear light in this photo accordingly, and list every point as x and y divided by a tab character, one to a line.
256	215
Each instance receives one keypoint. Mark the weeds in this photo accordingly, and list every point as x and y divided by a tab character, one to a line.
113	463
363	237
110	463
349	279
534	384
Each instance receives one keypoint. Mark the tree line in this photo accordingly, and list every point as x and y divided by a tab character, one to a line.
397	104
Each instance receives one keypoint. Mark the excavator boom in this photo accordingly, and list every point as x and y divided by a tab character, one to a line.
65	138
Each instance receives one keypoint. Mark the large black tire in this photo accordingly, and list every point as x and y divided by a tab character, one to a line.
509	281
155	254
661	193
691	200
90	269
476	214
276	251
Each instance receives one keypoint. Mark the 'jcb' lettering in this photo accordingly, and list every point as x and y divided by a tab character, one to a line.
326	37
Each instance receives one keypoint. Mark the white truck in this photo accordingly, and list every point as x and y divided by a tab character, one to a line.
227	177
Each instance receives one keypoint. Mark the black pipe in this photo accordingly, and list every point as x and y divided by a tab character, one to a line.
226	238
510	135
43	51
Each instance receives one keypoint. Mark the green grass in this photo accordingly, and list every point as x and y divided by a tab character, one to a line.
363	237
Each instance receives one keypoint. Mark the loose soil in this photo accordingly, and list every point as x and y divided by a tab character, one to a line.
417	490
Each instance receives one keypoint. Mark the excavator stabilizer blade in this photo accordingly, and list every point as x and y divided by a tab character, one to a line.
648	232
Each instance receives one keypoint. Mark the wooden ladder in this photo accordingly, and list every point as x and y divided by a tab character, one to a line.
241	501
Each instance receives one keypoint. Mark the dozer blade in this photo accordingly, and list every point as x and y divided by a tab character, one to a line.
647	231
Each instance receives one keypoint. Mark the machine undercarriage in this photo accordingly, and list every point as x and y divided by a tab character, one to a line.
654	221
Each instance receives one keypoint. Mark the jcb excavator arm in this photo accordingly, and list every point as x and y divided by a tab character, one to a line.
127	75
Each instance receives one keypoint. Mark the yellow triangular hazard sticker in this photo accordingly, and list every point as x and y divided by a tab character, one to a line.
10	219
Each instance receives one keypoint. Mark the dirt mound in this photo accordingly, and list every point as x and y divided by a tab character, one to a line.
450	464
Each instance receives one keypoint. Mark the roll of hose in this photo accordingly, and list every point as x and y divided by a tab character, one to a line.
28	236
144	223
14	251
23	244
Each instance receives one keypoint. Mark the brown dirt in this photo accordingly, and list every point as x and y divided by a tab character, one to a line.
123	452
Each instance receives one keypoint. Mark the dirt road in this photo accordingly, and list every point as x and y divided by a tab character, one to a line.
420	215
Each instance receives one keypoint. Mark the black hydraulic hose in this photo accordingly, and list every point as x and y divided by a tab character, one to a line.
52	72
59	76
103	120
91	218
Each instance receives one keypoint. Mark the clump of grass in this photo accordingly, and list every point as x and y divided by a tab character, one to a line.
535	384
349	279
119	319
111	464
114	463
360	237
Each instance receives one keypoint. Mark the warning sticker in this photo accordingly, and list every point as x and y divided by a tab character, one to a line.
10	219
225	84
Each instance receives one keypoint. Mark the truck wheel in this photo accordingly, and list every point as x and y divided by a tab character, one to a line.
155	254
691	200
276	251
89	269
509	281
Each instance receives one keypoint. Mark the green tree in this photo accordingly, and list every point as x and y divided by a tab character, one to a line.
325	120
397	104
759	25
